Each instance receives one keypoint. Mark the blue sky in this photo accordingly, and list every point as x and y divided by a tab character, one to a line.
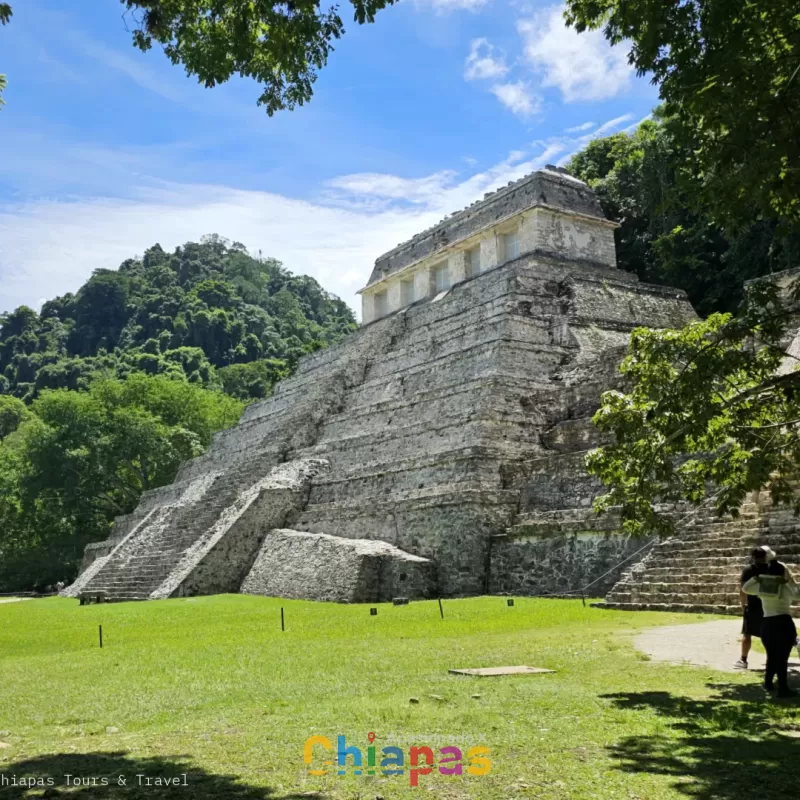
105	150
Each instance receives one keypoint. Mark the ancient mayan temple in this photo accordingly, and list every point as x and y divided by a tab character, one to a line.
436	451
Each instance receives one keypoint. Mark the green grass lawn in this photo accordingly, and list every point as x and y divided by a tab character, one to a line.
212	688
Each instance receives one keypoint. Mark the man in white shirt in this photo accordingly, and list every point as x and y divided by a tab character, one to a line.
777	590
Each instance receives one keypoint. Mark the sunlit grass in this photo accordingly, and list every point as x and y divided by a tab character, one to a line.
215	683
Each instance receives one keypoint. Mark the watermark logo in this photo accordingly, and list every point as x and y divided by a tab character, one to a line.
322	758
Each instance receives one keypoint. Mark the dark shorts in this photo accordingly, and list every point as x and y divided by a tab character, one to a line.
752	623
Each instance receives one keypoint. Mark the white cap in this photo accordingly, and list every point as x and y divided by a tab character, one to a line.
768	552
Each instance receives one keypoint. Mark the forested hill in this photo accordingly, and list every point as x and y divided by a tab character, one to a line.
209	311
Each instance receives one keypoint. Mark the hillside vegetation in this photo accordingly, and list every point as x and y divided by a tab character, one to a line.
209	312
105	392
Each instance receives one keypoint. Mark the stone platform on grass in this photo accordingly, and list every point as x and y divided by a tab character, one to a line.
315	566
496	672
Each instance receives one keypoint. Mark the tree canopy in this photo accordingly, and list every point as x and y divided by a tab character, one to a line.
667	238
208	312
708	196
712	414
728	72
72	461
280	45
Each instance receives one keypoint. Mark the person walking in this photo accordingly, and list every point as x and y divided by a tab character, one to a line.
752	610
777	589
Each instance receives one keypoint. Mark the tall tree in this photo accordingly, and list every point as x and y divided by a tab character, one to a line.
76	460
729	72
711	411
664	237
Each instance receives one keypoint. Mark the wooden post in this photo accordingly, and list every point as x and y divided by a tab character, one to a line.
441	610
100	628
283	626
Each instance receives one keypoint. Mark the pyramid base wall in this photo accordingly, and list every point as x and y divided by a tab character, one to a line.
558	564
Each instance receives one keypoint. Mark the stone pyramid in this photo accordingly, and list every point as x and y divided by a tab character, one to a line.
448	431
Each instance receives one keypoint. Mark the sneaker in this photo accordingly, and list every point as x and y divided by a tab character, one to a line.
769	687
740	664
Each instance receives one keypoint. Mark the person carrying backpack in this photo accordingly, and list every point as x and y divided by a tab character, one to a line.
777	589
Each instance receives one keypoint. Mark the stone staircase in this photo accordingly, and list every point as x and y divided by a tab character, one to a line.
205	540
148	555
698	569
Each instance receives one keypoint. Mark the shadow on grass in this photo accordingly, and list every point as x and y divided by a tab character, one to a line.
94	768
730	747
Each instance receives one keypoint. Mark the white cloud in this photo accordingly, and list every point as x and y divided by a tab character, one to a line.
93	62
573	144
481	63
633	126
517	97
606	127
580	128
365	185
446	6
58	243
132	68
583	66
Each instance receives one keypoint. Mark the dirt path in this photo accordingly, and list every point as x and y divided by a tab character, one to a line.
13	599
703	644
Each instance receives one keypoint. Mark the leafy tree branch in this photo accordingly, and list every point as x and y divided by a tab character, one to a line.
712	410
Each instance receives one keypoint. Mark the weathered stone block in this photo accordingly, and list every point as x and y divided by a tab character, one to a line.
315	566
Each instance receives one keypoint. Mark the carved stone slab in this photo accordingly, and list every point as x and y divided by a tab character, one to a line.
491	672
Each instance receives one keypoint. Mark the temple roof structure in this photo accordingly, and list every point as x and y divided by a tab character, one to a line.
550	187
